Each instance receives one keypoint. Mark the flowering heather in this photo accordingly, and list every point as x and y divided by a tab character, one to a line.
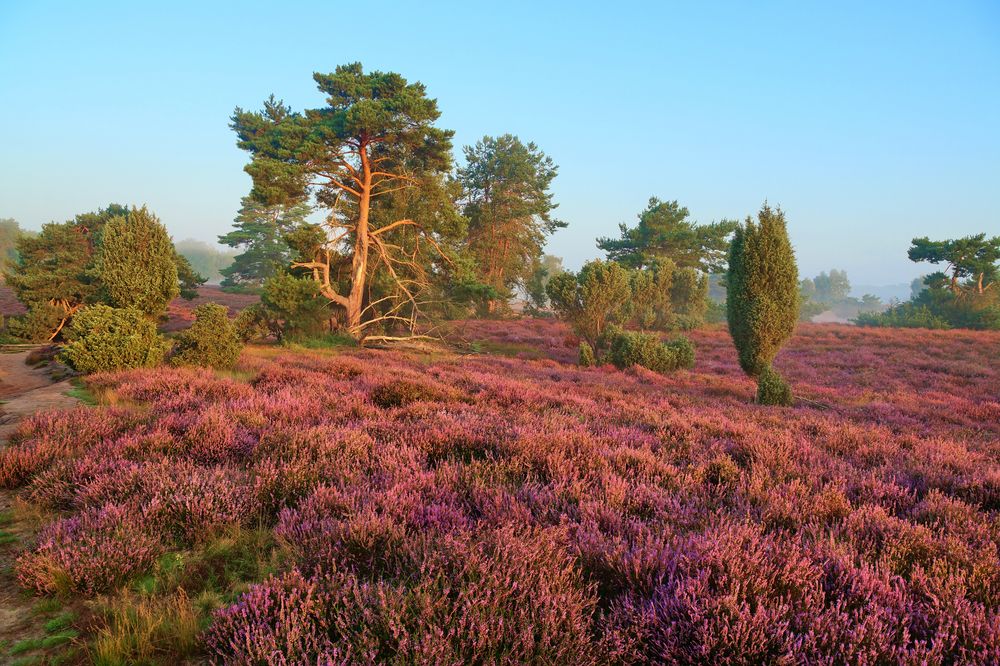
520	509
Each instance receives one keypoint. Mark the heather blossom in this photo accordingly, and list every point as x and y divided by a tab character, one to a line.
520	509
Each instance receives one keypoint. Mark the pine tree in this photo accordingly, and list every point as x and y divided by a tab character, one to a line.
376	136
508	202
762	304
259	231
137	265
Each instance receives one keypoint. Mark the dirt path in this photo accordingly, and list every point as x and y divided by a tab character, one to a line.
23	391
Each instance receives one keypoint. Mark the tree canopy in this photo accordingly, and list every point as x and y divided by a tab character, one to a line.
509	206
665	232
138	263
972	257
376	136
260	231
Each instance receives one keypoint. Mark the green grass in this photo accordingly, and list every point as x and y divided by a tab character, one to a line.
328	341
46	606
164	613
60	622
61	638
27	660
26	645
82	393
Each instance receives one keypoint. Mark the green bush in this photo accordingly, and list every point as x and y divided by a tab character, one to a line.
106	338
37	324
253	324
587	359
715	312
210	342
629	348
651	291
138	263
762	299
938	307
598	296
297	304
772	389
689	294
904	315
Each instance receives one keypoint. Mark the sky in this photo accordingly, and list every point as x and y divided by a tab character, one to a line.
868	123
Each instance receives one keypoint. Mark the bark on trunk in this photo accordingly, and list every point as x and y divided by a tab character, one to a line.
359	262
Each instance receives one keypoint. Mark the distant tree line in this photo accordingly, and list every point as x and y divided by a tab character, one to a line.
831	291
963	295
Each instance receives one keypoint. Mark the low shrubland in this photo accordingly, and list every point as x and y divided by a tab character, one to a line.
631	348
360	506
212	341
101	338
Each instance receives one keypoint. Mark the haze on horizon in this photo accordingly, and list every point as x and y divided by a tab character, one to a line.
868	125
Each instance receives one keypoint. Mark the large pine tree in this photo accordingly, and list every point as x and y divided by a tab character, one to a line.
375	137
665	232
509	206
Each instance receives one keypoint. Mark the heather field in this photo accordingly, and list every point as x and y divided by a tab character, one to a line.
498	504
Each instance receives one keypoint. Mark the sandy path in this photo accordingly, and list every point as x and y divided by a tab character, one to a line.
23	391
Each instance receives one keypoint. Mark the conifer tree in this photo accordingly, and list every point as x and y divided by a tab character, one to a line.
375	137
762	303
137	265
508	202
260	232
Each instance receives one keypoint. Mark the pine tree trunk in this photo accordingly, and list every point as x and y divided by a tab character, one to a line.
359	262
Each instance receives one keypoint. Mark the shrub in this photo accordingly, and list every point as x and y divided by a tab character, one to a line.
211	341
252	324
904	315
37	324
689	294
772	389
404	392
137	264
587	359
595	298
630	348
651	290
297	304
762	303
715	312
104	338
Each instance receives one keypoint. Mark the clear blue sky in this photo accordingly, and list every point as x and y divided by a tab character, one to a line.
869	123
